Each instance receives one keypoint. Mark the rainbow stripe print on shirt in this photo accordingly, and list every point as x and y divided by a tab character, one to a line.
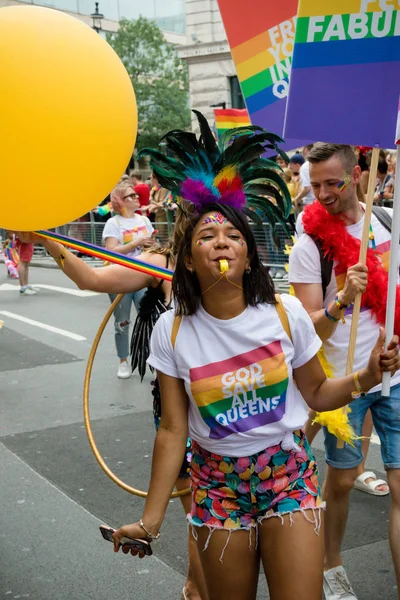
243	392
128	234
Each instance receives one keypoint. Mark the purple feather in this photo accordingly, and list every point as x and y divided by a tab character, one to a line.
197	193
234	198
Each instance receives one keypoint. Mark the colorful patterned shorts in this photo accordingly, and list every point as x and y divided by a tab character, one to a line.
237	493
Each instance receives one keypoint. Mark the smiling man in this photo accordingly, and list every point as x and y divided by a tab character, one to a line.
332	226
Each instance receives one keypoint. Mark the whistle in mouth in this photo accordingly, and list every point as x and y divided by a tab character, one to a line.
223	266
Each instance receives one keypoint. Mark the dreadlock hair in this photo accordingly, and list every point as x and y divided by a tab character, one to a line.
258	286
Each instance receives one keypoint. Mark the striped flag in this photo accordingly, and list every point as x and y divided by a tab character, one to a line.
227	118
344	85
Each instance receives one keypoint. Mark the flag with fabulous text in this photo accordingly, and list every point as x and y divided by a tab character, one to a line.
345	79
261	38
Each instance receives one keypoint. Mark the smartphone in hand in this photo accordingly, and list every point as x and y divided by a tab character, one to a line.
141	545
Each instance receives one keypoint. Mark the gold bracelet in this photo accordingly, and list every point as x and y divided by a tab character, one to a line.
60	260
359	391
151	536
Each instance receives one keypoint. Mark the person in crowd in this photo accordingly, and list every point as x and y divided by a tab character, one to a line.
10	255
127	233
327	287
281	162
391	159
158	196
292	187
384	189
25	253
305	195
142	190
363	154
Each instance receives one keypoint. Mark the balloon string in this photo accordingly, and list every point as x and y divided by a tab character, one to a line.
218	280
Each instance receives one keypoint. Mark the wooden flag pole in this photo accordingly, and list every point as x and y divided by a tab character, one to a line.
363	256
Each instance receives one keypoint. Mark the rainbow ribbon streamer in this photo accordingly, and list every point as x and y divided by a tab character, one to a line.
108	255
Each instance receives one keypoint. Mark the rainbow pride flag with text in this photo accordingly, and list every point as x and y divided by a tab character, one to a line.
261	37
243	392
344	85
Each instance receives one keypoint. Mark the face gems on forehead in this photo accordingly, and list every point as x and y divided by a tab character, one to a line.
216	219
344	183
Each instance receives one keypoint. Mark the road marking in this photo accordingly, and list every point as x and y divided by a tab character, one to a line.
68	334
8	287
375	439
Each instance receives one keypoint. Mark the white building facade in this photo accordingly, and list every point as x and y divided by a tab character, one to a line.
212	73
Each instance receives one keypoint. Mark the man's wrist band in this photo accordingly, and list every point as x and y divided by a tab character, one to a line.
152	537
359	391
328	316
339	304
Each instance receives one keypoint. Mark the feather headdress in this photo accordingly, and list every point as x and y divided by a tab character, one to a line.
231	172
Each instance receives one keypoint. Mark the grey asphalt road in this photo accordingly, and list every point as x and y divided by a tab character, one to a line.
54	495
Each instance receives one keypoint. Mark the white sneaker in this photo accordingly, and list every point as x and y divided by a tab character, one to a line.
28	291
124	370
337	586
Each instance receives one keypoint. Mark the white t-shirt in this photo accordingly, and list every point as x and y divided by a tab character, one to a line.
305	267
238	374
305	182
126	229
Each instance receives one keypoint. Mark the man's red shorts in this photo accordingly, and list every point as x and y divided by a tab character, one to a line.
25	251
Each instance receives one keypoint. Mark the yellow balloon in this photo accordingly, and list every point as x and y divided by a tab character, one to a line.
68	118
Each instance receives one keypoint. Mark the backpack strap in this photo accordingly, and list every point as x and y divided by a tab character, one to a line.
175	328
282	314
326	266
383	217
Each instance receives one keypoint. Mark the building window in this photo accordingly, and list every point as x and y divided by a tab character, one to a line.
237	99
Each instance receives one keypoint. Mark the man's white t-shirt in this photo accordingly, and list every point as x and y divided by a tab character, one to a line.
126	229
305	182
238	374
305	267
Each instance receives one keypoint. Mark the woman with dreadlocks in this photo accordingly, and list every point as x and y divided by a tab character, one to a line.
234	363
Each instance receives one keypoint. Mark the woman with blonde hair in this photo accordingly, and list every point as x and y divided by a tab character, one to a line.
127	233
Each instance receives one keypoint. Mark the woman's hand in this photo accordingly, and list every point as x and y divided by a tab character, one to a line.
133	531
380	361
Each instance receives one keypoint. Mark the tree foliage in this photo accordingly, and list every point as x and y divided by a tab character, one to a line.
159	78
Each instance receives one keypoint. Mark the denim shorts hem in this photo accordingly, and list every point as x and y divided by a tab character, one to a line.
343	465
391	466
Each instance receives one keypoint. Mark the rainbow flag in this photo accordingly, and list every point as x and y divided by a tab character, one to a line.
261	37
344	86
228	118
243	392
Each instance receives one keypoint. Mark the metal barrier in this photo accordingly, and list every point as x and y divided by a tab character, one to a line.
91	231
